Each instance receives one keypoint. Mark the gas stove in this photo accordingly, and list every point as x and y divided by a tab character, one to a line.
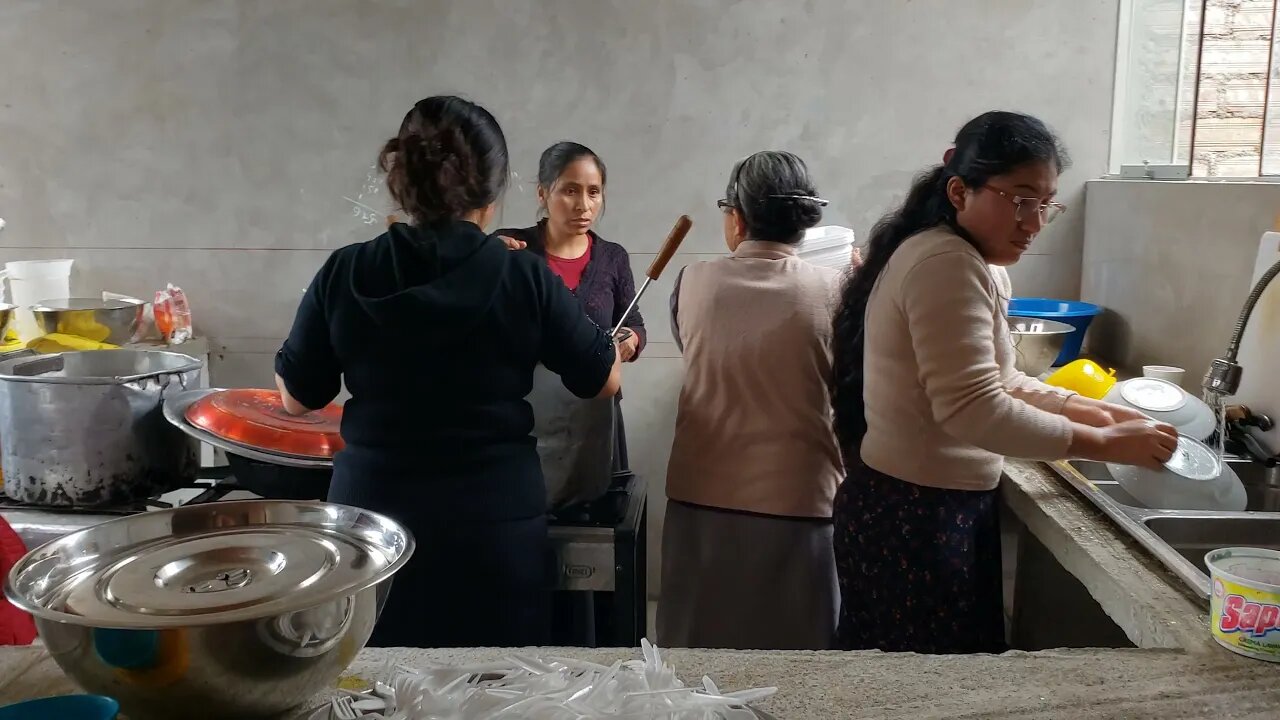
39	524
599	546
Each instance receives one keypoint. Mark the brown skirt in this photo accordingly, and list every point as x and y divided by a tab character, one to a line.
746	582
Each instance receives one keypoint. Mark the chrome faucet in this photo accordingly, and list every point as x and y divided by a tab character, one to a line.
1223	377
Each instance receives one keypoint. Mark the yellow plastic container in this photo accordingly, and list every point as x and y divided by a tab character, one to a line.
1244	605
1085	377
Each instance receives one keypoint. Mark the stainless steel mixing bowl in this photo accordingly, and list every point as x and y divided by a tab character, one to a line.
108	321
1037	342
213	611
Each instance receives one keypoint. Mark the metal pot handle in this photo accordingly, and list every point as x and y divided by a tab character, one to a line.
39	366
36	367
122	379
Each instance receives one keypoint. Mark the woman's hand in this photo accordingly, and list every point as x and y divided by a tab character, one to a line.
512	243
855	258
1096	413
1081	409
628	344
1124	413
1144	443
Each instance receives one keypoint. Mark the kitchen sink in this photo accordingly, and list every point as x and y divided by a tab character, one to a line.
1180	538
1264	494
1194	536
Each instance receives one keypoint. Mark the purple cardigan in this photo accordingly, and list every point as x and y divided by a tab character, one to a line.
607	284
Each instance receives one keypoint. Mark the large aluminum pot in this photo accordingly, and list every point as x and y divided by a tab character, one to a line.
88	428
213	611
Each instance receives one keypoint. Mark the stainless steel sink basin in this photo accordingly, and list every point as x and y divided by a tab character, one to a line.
1180	538
1264	494
1193	536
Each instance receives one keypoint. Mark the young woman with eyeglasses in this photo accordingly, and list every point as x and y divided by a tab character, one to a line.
746	545
928	402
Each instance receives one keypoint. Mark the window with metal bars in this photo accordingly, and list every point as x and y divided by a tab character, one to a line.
1194	81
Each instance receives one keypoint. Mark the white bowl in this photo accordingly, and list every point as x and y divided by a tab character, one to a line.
1173	374
1193	479
1162	400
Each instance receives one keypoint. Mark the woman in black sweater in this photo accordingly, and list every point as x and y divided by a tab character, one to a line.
436	329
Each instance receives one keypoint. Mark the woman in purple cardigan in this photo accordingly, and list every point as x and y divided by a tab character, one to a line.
571	193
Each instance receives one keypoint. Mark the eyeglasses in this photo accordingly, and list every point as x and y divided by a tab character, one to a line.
1024	206
725	205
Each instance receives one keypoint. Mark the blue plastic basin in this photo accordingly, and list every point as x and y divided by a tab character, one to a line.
1075	313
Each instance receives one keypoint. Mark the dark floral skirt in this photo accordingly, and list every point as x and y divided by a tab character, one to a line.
919	567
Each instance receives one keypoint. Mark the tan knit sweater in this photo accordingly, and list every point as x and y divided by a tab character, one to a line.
944	402
753	429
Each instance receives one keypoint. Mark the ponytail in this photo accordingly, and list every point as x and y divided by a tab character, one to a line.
926	206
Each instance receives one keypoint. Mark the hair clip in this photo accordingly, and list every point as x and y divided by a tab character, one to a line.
820	202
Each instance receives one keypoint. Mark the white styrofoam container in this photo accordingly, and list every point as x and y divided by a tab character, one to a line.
826	237
839	258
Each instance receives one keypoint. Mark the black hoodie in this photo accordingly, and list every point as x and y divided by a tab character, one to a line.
436	332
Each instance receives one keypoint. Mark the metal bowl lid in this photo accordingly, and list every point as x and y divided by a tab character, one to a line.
78	304
257	419
1194	460
1153	394
209	564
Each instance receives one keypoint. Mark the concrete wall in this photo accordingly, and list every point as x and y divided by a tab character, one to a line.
1172	262
210	143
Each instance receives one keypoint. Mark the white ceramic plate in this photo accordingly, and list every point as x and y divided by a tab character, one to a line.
1168	403
1194	480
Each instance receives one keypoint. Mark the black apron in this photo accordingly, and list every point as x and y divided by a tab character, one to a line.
577	440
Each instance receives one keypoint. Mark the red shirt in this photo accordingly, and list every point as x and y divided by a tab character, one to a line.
570	271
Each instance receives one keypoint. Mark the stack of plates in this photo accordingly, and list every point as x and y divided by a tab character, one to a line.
827	246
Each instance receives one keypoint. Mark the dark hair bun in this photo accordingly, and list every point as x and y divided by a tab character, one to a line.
786	217
449	158
776	196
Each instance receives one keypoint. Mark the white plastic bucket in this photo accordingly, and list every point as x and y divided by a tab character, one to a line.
32	282
1244	605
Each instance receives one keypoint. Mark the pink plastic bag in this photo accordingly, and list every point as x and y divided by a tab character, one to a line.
173	315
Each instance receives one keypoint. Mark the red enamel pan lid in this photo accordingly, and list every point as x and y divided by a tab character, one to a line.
257	419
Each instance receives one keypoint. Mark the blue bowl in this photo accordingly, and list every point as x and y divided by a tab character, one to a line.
1072	312
64	707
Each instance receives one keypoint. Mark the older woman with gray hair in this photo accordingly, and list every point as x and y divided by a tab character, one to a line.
747	546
